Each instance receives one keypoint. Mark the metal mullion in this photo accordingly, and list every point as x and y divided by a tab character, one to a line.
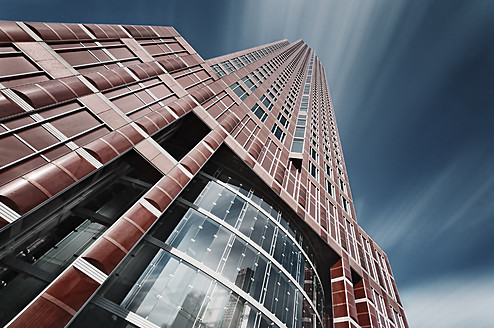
8	53
39	152
18	161
272	219
45	120
220	279
142	107
26	268
17	75
272	261
136	90
185	72
193	85
164	54
99	63
84	132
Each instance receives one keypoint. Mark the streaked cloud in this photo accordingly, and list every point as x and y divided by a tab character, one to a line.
411	83
451	302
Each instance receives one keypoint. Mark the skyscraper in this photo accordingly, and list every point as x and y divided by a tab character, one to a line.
141	186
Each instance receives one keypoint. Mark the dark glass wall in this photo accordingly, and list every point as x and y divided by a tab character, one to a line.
220	256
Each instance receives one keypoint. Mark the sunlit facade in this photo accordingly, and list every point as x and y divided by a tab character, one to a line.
142	186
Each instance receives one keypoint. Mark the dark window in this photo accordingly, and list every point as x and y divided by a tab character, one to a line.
39	246
184	134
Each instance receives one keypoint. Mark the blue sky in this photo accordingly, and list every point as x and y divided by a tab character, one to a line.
412	86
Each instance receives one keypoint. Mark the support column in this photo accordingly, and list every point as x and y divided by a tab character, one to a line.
366	313
343	297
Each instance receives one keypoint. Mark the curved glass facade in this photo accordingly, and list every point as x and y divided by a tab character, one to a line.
221	256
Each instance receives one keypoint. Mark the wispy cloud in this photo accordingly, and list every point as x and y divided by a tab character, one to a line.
436	205
452	302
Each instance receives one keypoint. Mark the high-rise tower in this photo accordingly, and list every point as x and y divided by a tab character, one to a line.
141	186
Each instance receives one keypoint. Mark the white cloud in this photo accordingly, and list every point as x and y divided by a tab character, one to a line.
451	302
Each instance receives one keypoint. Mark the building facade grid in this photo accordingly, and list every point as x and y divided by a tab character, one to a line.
111	139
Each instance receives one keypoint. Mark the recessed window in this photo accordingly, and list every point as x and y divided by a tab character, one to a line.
297	145
218	70
283	120
42	244
228	66
329	187
258	81
248	82
237	63
314	171
239	91
259	112
278	132
266	102
346	204
184	134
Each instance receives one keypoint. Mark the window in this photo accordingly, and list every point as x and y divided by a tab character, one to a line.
346	204
278	132
307	89
313	170
228	66
283	120
245	59
304	104
297	145
263	77
218	70
237	62
329	187
299	132
248	82
342	186
313	154
239	91
259	112
266	102
265	71
255	78
329	170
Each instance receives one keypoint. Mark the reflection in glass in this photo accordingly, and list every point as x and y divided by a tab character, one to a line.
242	239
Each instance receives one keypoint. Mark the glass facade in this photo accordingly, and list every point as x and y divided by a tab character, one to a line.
221	256
34	258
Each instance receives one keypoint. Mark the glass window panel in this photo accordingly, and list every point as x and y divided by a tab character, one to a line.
222	205
186	230
217	248
248	220
234	211
232	262
192	303
16	293
213	313
93	314
208	197
268	237
259	228
260	273
297	146
199	246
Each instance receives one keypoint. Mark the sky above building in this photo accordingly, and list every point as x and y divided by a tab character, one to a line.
412	87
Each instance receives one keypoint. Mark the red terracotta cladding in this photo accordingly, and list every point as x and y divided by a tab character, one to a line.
83	106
